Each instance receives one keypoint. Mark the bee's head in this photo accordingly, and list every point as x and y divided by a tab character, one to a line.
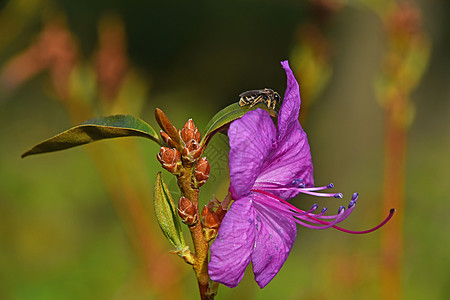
276	96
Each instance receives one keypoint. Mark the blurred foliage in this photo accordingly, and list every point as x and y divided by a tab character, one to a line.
79	224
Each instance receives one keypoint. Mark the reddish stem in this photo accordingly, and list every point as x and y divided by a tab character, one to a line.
393	196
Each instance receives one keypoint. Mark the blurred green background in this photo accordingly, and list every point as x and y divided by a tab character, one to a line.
78	224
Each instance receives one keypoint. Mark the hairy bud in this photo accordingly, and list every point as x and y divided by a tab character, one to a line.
211	223
201	172
167	126
187	211
190	132
192	151
167	139
223	206
170	160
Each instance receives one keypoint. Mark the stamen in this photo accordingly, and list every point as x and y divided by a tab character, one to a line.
347	212
279	199
335	195
340	217
313	208
324	211
297	181
319	188
298	185
316	221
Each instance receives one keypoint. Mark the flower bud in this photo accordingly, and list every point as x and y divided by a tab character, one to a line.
167	139
223	206
167	126
211	223
187	211
201	172
192	151
190	132
170	160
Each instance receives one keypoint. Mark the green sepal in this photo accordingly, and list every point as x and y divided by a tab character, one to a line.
95	130
227	115
167	215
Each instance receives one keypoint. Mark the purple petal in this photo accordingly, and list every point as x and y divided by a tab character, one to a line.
275	236
291	160
231	250
251	140
290	108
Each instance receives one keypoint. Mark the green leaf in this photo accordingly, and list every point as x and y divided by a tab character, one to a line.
95	130
229	114
167	215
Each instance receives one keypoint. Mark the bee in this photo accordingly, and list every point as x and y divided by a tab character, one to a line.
253	97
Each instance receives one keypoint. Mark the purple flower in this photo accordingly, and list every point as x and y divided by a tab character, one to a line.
268	166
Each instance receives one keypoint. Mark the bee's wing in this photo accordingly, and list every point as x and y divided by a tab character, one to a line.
252	93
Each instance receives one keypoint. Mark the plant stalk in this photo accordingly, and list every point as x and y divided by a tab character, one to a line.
201	246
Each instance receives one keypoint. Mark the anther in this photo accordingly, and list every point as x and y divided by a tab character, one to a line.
313	208
351	204
330	186
338	196
341	209
297	181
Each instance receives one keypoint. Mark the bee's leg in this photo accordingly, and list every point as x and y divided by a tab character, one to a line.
274	103
269	102
256	101
242	102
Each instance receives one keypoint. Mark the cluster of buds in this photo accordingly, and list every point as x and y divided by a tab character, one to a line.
187	211
182	155
185	149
